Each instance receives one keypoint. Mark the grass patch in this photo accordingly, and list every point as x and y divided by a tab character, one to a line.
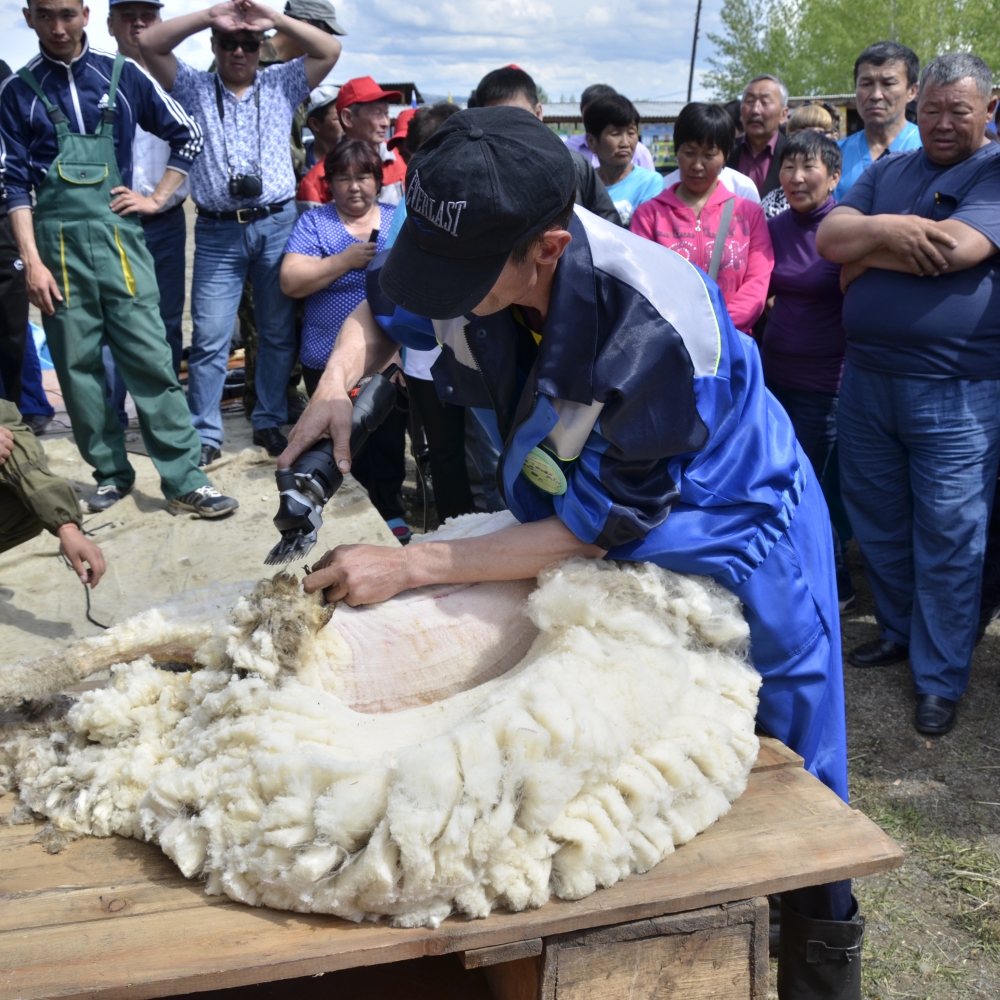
933	924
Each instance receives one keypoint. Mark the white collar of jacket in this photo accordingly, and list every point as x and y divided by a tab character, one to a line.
571	335
81	60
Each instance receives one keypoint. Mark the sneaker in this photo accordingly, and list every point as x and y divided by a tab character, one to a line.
106	496
848	604
271	439
37	422
208	455
206	501
400	529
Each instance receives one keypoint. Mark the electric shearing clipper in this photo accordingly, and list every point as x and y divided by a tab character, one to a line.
308	485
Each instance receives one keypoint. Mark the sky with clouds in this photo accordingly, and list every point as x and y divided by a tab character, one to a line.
641	47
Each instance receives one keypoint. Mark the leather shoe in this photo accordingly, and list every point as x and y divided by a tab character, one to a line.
935	715
877	653
272	439
208	455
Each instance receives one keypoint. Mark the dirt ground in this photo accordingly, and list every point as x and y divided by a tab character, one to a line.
933	926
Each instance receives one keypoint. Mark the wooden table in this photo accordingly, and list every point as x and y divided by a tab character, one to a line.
113	918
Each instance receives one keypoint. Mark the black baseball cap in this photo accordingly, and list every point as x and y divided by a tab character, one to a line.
486	180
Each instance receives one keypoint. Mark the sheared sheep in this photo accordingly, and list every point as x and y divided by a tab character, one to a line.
453	749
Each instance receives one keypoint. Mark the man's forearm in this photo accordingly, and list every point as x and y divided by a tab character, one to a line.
311	40
516	553
361	349
971	248
848	237
162	38
169	183
23	225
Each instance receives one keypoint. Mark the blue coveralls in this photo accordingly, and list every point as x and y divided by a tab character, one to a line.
653	405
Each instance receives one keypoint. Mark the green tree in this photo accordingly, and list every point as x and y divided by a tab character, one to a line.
812	44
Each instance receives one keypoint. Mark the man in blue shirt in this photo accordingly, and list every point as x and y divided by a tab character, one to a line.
885	81
612	125
919	417
632	420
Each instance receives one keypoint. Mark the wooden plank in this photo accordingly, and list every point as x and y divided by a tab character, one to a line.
479	957
90	861
760	951
515	980
773	755
785	832
705	965
701	954
75	906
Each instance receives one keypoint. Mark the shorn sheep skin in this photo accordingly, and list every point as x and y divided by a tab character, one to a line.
625	730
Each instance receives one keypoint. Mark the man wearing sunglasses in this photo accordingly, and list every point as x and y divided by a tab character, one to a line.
243	186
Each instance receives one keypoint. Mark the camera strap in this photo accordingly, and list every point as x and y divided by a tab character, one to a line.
222	120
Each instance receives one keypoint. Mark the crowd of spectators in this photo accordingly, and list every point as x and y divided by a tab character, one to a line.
862	269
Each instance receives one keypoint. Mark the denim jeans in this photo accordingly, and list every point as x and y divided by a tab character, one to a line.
814	417
33	398
918	464
224	254
165	238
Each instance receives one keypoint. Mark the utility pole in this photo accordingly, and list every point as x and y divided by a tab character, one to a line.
694	48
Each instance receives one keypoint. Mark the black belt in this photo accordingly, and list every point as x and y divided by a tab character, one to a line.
244	214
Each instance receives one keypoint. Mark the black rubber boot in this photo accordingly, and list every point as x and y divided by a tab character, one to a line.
820	959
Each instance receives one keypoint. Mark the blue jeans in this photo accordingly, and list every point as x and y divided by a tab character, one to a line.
224	253
814	417
918	465
165	238
33	398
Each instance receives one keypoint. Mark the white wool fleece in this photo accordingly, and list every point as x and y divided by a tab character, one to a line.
627	729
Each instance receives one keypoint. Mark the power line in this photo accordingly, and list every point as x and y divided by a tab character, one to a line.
694	49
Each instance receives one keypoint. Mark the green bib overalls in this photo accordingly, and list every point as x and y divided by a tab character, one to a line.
108	284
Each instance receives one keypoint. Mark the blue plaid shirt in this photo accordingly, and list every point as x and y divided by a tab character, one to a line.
250	138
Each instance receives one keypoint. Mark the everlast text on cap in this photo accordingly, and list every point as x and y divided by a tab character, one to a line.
486	180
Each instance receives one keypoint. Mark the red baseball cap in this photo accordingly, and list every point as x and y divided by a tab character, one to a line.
364	90
401	127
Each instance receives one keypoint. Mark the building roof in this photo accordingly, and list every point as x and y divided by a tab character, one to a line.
648	110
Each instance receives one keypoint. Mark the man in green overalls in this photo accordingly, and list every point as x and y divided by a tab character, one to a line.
86	263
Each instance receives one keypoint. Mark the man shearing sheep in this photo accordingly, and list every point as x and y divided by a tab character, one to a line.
633	423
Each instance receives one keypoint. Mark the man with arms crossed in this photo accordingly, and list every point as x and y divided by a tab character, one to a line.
635	426
919	416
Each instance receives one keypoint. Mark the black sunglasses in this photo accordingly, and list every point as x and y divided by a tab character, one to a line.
232	44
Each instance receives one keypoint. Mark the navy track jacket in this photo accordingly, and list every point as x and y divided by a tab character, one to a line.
28	142
647	395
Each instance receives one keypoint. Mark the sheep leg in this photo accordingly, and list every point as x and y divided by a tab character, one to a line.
173	631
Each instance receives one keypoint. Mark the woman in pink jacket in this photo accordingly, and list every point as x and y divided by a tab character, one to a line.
687	216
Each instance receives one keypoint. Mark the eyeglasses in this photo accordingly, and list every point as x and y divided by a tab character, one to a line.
232	44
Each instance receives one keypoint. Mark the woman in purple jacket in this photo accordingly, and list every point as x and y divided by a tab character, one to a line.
804	341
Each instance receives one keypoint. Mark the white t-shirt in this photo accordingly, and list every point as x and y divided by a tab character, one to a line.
738	183
150	155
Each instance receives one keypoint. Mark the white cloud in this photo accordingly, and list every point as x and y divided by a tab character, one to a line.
642	47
